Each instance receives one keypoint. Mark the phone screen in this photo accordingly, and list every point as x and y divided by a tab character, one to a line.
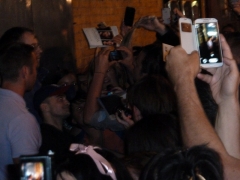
35	167
208	42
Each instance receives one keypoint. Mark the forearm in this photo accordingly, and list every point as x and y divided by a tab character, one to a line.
94	92
195	126
227	126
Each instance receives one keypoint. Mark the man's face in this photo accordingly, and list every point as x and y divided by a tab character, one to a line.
32	75
58	106
29	38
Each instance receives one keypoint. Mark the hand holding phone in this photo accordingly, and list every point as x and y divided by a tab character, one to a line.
204	37
115	55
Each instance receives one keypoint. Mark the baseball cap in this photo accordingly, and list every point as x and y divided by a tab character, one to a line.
51	90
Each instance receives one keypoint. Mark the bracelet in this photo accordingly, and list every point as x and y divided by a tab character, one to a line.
100	73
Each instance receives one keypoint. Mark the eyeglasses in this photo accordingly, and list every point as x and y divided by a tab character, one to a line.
67	84
36	46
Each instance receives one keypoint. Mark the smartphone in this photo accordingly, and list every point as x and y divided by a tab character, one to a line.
166	15
110	103
35	167
208	42
129	16
115	55
204	37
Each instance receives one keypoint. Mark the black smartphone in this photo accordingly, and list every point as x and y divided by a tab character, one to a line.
115	55
35	167
110	103
129	16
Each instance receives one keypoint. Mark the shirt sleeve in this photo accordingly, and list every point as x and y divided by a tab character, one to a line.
24	135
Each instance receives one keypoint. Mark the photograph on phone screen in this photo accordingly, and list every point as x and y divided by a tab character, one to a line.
208	43
32	171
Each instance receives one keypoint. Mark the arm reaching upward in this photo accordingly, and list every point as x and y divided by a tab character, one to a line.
195	127
224	83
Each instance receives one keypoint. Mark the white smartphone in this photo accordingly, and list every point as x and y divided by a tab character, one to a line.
208	42
204	37
166	15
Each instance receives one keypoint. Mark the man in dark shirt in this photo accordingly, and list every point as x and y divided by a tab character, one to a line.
53	105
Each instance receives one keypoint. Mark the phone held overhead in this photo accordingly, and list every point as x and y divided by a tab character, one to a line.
202	36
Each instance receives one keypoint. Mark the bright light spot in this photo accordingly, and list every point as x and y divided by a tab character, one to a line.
211	25
212	33
28	3
204	61
69	1
213	60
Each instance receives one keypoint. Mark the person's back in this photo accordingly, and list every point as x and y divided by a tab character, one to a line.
19	131
26	36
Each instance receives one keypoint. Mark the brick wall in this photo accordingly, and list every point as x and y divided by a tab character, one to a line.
88	13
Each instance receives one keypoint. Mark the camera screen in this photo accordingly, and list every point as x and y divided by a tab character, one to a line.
35	168
115	56
208	43
32	170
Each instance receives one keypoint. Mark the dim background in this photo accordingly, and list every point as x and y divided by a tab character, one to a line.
58	23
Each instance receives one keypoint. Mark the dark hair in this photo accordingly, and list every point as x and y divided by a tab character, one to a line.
228	26
152	95
233	40
153	63
82	167
12	58
13	35
55	77
183	165
153	134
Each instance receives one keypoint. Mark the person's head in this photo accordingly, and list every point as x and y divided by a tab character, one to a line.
116	76
18	63
153	134
77	107
228	29
23	35
149	62
51	101
198	162
95	164
62	77
151	95
233	40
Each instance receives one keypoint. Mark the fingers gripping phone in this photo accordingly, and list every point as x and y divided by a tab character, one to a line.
204	37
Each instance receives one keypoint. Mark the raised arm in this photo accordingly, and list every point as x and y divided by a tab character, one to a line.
224	84
195	127
101	66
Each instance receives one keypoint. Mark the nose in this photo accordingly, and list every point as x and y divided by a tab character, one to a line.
66	101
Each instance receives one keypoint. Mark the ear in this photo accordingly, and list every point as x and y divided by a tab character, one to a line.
24	72
44	107
136	114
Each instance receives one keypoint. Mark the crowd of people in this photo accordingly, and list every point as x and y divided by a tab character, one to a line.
162	118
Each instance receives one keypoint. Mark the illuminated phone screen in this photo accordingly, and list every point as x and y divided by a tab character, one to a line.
208	42
33	170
